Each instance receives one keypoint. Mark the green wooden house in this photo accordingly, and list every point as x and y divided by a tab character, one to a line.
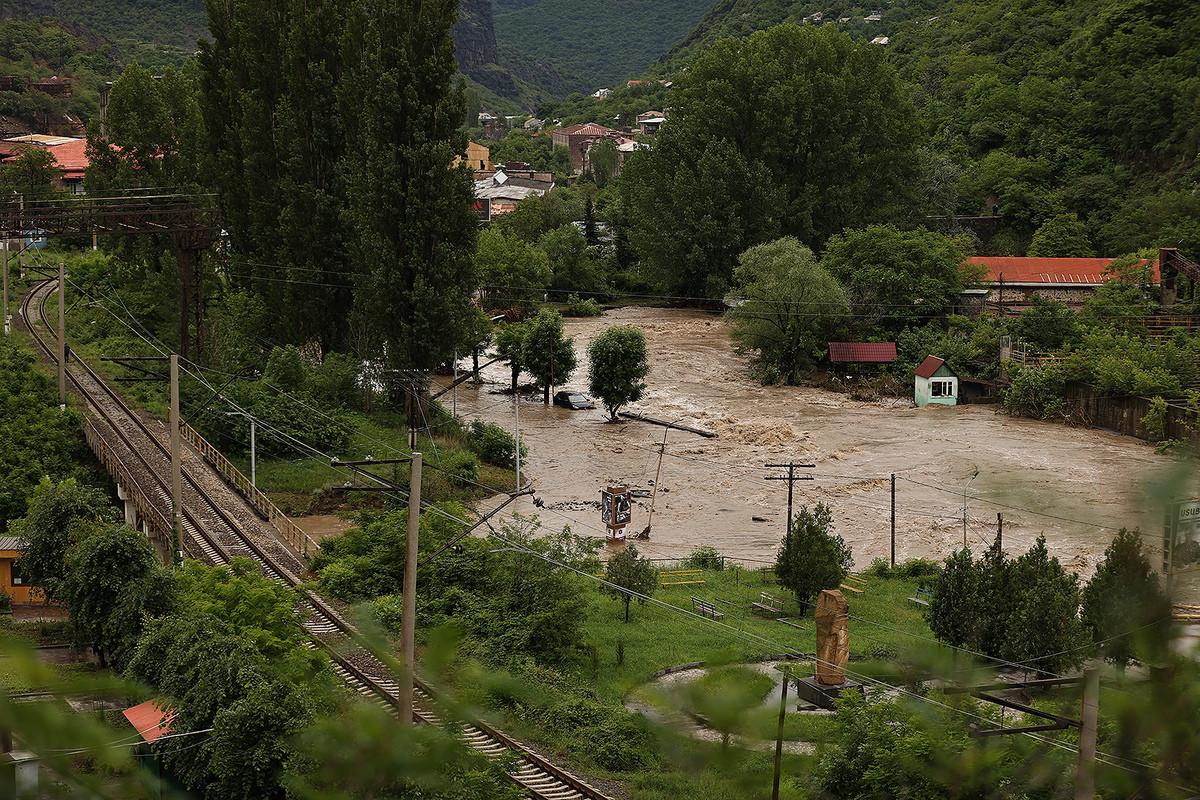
935	383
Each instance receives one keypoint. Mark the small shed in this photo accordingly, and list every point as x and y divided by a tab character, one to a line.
935	383
11	582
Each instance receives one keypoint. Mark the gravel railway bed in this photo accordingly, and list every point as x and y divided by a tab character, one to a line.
218	525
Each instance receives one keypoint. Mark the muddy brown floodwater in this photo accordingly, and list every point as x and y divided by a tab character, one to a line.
713	492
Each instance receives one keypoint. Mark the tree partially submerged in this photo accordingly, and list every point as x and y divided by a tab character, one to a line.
618	367
786	306
547	352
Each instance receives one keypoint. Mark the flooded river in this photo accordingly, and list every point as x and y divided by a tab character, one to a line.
1075	485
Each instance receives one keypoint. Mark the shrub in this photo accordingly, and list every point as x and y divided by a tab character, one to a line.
5	603
1155	420
705	557
459	466
918	568
879	568
1035	392
493	444
577	307
811	557
387	611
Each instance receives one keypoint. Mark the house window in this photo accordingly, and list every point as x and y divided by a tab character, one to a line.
941	388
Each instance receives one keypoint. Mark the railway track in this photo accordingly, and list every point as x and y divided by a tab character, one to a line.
219	526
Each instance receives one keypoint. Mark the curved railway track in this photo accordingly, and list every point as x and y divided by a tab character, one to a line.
219	526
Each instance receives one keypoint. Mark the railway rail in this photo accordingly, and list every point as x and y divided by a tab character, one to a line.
218	525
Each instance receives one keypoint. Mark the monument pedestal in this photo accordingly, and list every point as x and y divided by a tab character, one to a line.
822	696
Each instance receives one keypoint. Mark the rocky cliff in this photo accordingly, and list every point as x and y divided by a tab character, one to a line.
475	43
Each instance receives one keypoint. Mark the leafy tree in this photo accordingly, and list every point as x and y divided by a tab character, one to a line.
789	306
996	598
1044	626
618	367
34	173
896	278
811	557
954	610
46	529
511	272
1035	392
575	268
534	217
546	352
410	230
605	160
1062	236
793	130
589	222
1123	602
112	582
510	345
1047	324
631	575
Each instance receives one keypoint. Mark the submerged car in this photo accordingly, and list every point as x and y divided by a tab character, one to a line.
573	400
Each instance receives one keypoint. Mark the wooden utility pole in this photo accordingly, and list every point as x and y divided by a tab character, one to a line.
662	449
408	617
1085	770
893	519
791	479
176	467
1000	530
62	336
779	738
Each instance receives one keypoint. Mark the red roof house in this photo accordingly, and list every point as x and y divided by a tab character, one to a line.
862	352
578	138
70	155
1064	272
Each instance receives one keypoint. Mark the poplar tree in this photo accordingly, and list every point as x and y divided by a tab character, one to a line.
410	231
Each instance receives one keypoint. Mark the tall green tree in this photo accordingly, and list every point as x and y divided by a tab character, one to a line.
1044	627
812	557
409	225
510	346
511	272
897	278
954	610
112	583
793	130
46	530
1062	236
786	308
547	353
1123	602
618	367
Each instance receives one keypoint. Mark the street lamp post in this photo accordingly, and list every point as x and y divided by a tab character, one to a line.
966	485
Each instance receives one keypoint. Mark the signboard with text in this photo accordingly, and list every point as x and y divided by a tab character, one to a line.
1181	537
616	508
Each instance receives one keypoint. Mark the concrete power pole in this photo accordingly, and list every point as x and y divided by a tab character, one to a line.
1085	770
517	434
176	467
408	617
7	328
62	336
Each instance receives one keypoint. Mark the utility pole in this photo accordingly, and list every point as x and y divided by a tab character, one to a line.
1085	770
454	397
176	467
893	519
967	485
1000	530
5	268
517	434
408	616
791	479
253	454
779	738
62	336
662	450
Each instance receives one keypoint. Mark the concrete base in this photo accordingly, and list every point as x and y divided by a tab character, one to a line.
821	696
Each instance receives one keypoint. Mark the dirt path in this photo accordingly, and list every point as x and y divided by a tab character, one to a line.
713	489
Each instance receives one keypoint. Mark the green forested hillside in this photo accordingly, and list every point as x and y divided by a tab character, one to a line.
149	31
585	44
1037	109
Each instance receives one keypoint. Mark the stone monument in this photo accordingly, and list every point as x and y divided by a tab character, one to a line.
833	651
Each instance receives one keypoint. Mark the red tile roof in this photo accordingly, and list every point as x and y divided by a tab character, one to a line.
70	156
862	352
1059	271
930	365
150	720
586	129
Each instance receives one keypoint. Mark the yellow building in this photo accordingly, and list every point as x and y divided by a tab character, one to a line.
479	158
10	582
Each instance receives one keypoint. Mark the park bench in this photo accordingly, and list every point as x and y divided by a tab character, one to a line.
706	609
922	597
854	584
681	577
767	605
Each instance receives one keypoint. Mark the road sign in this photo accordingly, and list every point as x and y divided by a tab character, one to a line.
1181	536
